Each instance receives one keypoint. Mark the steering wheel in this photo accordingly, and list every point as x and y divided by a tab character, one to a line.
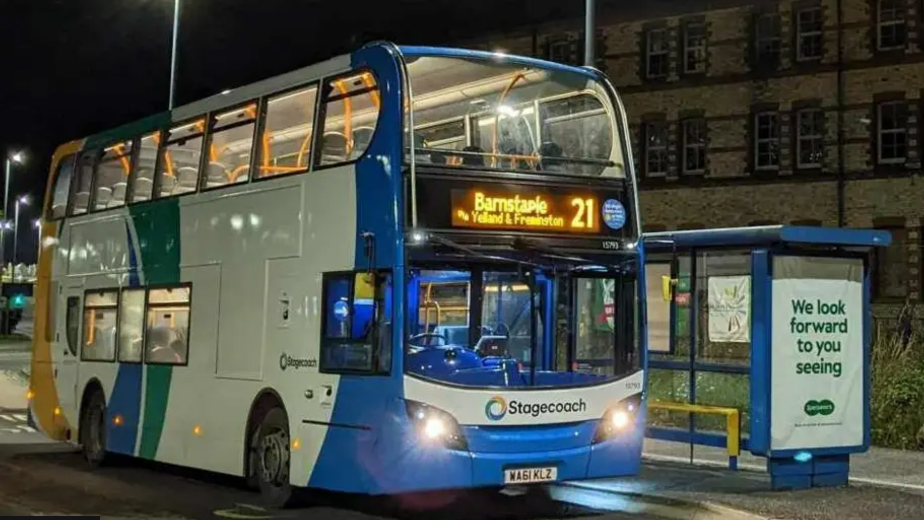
413	339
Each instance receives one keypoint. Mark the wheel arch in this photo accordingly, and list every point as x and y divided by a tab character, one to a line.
265	400
93	386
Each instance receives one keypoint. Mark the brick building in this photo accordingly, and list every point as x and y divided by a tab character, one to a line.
773	112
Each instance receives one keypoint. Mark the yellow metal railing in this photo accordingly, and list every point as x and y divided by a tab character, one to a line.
732	423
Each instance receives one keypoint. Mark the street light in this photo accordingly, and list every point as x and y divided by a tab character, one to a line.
18	158
176	30
37	224
20	201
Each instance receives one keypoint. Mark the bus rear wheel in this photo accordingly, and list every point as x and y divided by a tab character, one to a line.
270	459
93	430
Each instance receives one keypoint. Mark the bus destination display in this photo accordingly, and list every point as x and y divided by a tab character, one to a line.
544	212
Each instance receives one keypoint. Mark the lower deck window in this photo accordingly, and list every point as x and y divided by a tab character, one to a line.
167	336
99	326
356	328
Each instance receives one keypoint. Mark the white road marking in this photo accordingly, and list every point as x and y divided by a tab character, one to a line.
21	417
6	417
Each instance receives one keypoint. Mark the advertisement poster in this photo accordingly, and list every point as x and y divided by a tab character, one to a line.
817	354
730	309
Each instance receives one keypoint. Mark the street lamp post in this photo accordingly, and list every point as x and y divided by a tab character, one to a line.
16	157
21	201
176	31
37	224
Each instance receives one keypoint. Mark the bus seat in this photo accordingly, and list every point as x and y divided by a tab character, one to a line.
118	194
473	160
362	136
81	199
143	188
103	196
167	185
550	151
186	178
216	174
333	148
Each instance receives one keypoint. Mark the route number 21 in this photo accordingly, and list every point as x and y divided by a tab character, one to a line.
584	219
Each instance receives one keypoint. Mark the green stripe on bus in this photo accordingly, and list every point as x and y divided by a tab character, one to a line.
157	226
157	390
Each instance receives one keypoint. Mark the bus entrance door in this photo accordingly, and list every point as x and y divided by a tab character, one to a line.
66	350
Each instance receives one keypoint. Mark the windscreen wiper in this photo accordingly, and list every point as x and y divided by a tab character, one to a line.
532	245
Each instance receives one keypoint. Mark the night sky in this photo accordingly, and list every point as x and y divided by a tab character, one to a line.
70	68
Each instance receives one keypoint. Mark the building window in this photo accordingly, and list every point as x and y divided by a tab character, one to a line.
892	127
694	47
809	31
656	53
890	33
891	266
767	39
809	137
655	135
560	52
694	146
767	141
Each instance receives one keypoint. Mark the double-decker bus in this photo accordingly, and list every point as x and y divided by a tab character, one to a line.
402	269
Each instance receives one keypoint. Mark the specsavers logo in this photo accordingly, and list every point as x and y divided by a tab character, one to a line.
497	408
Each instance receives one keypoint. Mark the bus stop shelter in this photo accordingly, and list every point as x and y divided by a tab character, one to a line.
759	339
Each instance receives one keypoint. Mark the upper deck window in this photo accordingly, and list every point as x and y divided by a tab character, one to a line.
350	111
229	147
179	162
112	175
80	200
286	143
495	115
63	178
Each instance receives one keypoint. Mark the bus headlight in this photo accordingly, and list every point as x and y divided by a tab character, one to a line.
618	419
434	426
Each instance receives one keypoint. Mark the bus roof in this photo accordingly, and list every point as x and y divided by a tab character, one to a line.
297	77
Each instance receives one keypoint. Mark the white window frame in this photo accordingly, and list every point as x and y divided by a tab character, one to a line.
880	24
648	148
880	131
800	138
758	141
700	48
700	147
801	35
649	53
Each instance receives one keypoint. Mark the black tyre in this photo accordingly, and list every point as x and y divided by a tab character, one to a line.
93	430
270	459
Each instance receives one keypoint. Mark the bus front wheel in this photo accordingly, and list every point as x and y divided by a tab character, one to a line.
270	462
93	430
